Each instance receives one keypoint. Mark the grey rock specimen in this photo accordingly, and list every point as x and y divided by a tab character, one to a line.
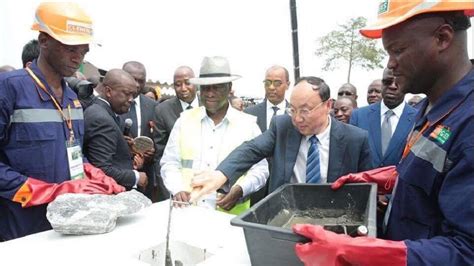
83	214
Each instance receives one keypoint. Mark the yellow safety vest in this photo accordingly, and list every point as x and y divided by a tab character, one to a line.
190	144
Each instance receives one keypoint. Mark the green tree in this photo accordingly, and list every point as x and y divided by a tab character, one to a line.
348	45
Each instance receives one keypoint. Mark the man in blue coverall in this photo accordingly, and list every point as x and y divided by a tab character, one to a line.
430	218
41	125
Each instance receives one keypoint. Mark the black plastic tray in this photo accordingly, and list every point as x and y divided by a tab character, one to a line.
274	244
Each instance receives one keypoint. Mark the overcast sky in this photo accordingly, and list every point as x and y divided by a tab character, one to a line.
163	35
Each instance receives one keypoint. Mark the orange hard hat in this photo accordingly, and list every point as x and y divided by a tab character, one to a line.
393	12
64	21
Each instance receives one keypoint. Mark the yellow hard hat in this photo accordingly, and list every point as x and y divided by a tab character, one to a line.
64	21
393	12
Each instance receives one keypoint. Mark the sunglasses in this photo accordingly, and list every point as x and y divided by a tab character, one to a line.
345	93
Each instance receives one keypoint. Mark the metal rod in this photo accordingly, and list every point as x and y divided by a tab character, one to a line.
168	261
294	33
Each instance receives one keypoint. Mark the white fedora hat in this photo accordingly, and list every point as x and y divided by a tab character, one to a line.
214	70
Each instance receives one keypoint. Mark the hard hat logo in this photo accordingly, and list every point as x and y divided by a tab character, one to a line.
80	28
64	21
393	12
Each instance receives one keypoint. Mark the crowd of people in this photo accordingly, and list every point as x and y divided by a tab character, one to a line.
62	132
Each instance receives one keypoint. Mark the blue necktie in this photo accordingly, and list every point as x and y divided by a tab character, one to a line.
275	110
313	171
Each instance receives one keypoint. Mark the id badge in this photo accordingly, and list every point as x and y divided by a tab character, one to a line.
74	158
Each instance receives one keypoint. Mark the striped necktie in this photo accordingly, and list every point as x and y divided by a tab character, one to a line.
313	170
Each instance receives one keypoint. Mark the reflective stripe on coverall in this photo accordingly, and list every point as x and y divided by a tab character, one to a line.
33	144
433	206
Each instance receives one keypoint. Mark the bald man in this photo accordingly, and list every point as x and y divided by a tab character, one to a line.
138	72
374	92
276	83
168	112
348	90
142	113
104	144
342	148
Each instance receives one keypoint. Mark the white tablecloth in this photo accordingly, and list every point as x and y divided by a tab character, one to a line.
196	226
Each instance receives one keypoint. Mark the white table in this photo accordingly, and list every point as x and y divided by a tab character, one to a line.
196	226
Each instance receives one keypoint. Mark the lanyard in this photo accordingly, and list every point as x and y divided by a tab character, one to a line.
68	120
413	139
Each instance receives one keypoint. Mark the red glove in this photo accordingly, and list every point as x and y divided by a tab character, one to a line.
328	248
99	178
36	192
384	177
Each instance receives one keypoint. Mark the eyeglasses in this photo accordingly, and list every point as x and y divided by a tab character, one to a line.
276	83
304	112
346	93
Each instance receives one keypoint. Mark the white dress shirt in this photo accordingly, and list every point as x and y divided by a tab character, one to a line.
280	111
212	138
299	171
194	103
394	118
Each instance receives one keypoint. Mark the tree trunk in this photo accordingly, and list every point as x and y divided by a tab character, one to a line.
349	71
351	54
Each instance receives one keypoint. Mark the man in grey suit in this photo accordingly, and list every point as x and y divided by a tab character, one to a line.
168	112
276	83
142	113
306	136
104	145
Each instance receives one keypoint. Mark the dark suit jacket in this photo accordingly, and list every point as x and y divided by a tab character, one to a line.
147	113
368	118
166	114
104	145
349	152
260	111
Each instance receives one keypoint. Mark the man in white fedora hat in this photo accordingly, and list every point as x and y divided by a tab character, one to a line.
202	137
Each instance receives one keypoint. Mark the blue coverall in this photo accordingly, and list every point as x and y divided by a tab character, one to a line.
32	144
433	203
